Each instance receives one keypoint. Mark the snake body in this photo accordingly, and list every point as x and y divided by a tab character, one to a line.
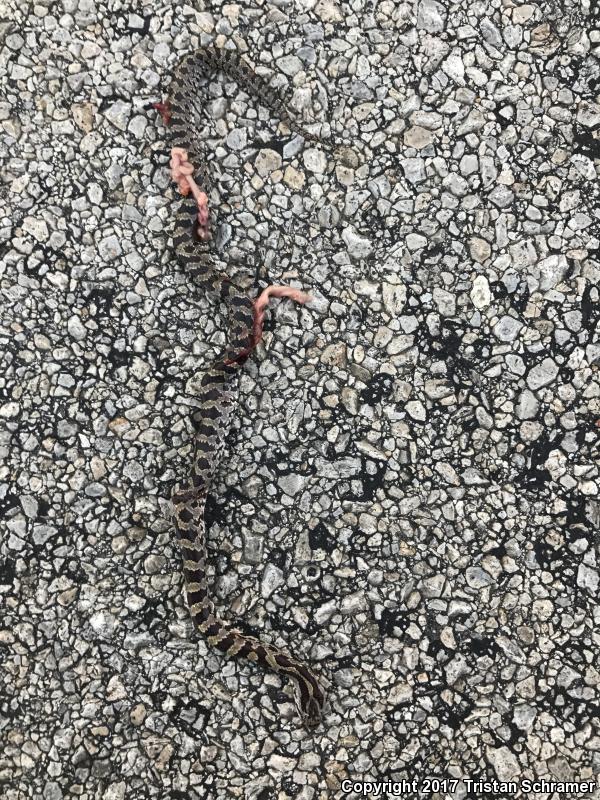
217	387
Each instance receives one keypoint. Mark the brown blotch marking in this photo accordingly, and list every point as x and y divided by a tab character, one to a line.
202	612
185	515
203	429
214	630
194	598
212	394
226	643
246	648
212	413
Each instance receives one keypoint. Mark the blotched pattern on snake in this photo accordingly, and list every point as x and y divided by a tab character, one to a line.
217	394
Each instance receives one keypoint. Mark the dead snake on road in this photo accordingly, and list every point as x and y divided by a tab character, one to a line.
217	392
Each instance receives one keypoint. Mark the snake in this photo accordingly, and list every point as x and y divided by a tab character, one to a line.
216	398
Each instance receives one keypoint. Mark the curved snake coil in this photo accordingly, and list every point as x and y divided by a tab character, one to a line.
216	398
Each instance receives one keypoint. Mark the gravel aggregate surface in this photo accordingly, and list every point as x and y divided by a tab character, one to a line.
409	500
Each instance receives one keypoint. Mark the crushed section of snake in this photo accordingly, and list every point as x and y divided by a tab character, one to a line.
182	171
217	391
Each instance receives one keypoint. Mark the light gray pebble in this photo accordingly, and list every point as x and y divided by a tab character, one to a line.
95	490
394	298
350	399
456	669
432	120
501	196
504	763
291	484
103	623
315	160
414	241
135	21
345	467
118	113
237	139
567	676
94	193
359	247
431	16
324	613
328	216
138	124
433	586
29	505
253	548
551	270
281	764
154	564
116	791
454	67
110	248
36	227
66	429
480	250
490	32
478	578
52	791
9	410
370	450
524	716
416	410
289	65
43	533
267	161
272	579
469	164
527	405
418	137
588	578
474	121
588	114
480	292
445	301
542	374
456	184
353	603
414	170
76	328
507	328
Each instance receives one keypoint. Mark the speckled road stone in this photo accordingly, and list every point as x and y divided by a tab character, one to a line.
409	495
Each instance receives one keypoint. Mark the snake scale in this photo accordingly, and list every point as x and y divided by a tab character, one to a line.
217	387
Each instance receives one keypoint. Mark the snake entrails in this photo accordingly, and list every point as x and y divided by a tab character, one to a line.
216	397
